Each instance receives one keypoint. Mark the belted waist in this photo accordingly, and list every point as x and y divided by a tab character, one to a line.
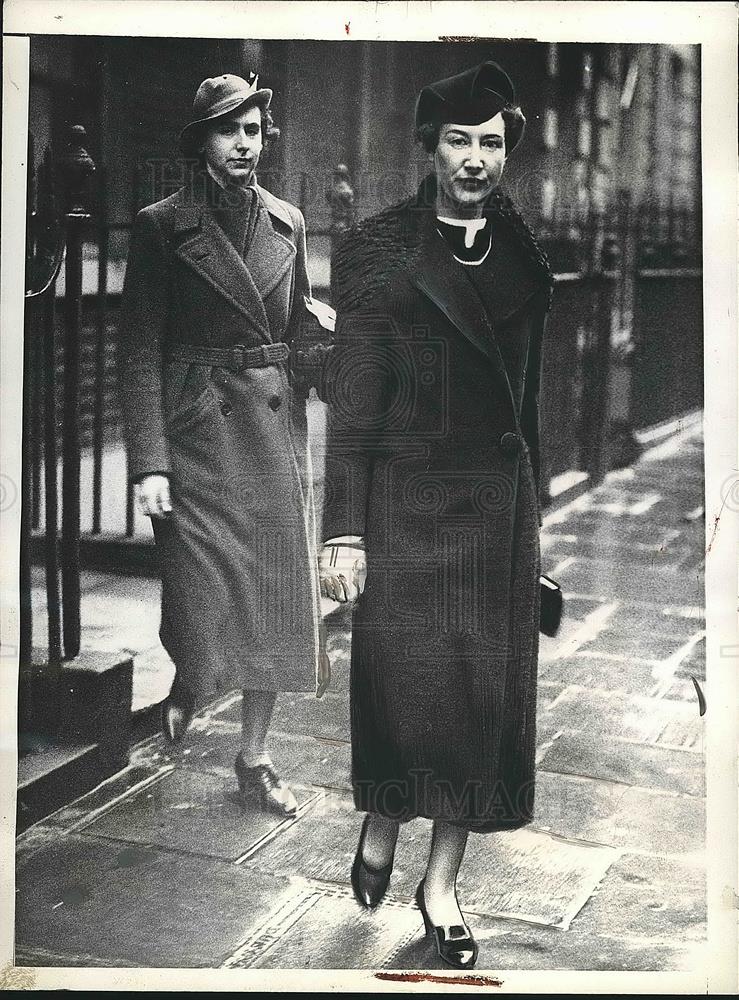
235	358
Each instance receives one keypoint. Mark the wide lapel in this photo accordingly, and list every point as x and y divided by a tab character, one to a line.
270	254
440	277
210	253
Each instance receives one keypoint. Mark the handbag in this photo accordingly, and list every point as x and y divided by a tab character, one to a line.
551	604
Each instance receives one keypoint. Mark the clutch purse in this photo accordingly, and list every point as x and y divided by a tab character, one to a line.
550	610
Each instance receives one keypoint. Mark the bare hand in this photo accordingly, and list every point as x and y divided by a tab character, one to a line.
153	496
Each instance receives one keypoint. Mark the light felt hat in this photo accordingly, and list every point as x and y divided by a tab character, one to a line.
221	95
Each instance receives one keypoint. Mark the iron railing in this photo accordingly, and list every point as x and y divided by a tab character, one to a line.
57	218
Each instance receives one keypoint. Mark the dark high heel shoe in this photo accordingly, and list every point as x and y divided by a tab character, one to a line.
454	942
262	786
369	884
178	709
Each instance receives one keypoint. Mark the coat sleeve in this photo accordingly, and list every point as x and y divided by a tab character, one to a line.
144	311
359	389
530	422
302	281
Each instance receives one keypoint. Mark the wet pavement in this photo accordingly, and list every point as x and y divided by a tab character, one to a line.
162	867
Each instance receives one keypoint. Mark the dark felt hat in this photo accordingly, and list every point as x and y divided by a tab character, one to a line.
221	95
468	98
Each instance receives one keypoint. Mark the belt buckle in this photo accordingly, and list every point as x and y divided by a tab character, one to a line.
238	352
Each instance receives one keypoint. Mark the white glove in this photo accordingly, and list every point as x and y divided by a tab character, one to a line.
341	570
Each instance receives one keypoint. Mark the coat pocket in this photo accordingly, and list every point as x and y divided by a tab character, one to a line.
189	394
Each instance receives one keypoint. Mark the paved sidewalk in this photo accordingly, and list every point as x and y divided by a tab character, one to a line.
160	866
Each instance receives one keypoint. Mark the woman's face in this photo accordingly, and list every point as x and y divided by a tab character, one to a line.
232	146
469	161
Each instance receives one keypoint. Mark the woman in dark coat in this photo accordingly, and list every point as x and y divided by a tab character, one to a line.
433	459
217	443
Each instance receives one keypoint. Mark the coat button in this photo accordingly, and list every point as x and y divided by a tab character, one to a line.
226	408
274	402
510	444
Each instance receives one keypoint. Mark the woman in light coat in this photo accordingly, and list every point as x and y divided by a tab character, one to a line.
217	445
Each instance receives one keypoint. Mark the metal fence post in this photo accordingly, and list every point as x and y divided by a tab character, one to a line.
98	432
77	166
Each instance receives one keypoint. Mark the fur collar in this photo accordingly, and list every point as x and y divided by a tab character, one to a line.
402	238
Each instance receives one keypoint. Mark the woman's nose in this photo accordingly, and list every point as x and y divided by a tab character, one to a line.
474	159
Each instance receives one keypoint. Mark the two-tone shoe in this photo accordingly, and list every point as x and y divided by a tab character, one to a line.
261	787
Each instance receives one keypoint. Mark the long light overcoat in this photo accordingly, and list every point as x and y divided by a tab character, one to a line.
432	456
240	605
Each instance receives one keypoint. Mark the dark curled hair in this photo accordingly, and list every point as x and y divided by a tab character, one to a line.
192	141
428	133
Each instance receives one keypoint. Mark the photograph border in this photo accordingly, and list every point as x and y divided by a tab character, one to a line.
713	26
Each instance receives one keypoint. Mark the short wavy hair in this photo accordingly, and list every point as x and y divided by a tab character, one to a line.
427	133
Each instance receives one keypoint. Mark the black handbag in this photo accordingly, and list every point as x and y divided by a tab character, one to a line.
550	611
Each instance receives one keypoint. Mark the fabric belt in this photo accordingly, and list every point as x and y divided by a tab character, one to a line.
236	358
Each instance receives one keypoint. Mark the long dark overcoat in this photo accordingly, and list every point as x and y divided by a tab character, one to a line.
432	456
240	604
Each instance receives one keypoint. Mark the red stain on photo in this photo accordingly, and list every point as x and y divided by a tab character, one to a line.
427	977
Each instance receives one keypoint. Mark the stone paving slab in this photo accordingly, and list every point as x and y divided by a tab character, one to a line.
320	845
525	874
194	812
302	713
634	619
617	642
662	721
694	664
107	794
32	840
530	875
306	760
618	580
667	553
617	760
508	944
45	957
617	815
604	527
567	640
547	693
138	905
325	928
622	676
651	897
